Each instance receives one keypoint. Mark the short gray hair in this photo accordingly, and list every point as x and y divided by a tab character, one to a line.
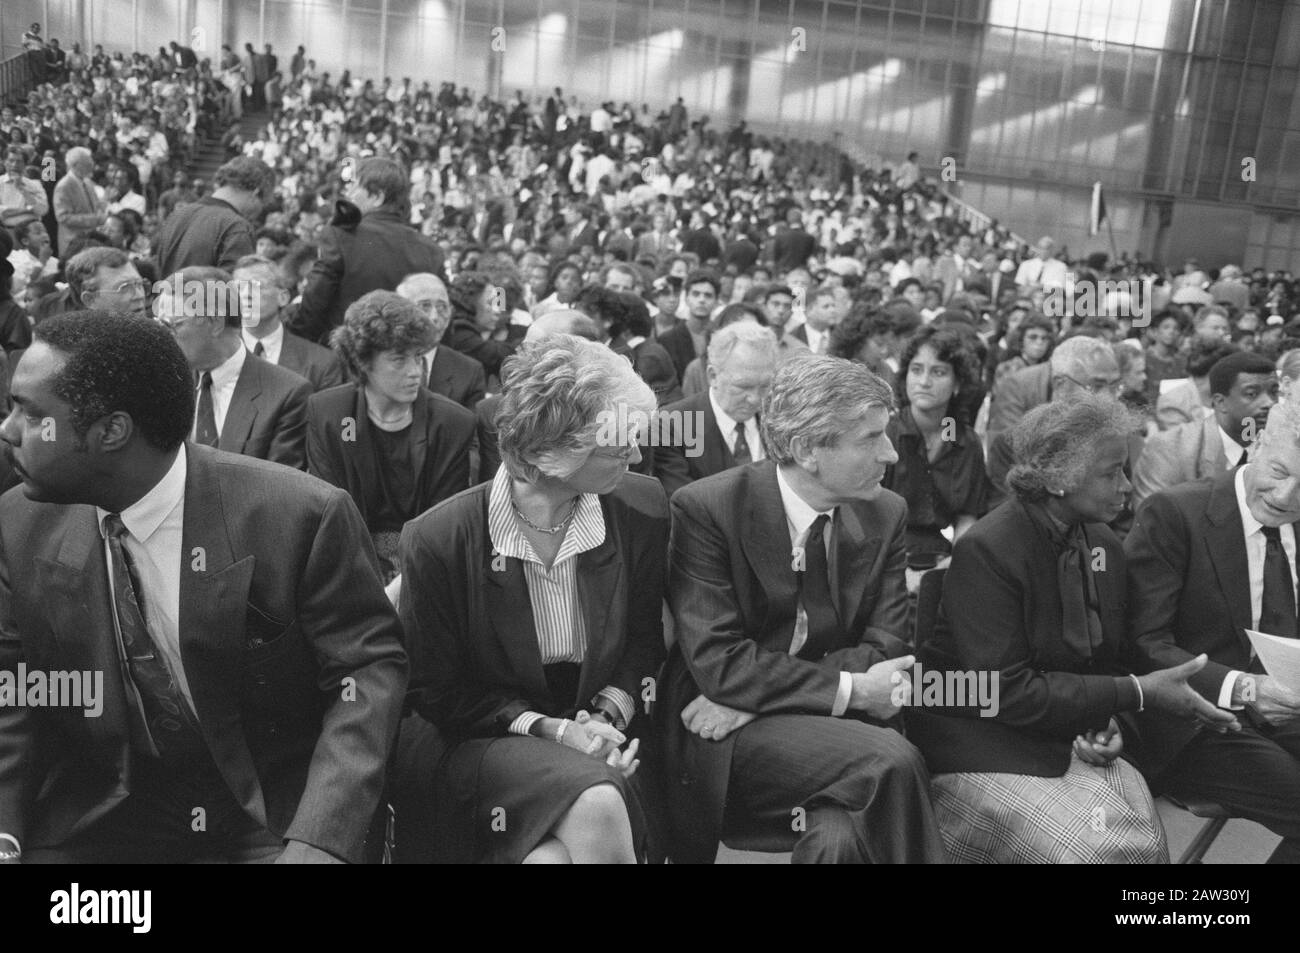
559	394
76	154
729	337
818	398
1053	444
1075	355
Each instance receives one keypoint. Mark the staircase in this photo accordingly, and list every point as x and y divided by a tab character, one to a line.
210	155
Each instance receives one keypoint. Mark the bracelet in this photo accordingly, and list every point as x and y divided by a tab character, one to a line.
559	732
10	854
1142	702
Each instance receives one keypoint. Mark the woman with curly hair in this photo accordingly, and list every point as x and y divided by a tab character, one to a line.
394	445
1029	343
940	468
1035	601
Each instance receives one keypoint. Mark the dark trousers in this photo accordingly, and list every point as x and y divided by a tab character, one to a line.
171	816
850	792
1254	774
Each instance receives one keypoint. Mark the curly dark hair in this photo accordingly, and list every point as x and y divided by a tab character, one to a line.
1041	322
952	347
126	364
381	321
860	323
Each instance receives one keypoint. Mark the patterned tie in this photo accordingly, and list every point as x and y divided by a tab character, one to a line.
424	369
205	418
259	351
815	594
741	453
171	726
1277	608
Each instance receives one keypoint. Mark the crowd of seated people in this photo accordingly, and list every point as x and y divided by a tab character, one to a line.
435	305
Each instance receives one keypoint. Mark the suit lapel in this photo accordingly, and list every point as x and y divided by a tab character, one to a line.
1225	542
856	546
510	611
74	590
600	579
242	412
764	540
716	455
359	458
213	613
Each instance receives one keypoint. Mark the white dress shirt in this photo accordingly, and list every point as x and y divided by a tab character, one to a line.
224	378
428	364
727	425
270	345
799	517
1232	450
1255	551
816	339
153	541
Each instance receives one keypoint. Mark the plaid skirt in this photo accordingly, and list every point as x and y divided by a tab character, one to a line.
1089	815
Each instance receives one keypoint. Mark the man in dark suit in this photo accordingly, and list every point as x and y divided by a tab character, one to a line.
792	246
245	404
726	424
264	294
1085	360
579	229
216	230
374	252
449	372
250	670
685	341
787	590
1207	561
1243	388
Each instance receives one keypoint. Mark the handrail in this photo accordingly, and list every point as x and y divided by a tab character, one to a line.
16	78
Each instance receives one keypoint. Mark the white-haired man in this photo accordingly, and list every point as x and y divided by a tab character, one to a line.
263	296
1044	270
1206	561
78	205
448	372
786	585
1082	360
743	358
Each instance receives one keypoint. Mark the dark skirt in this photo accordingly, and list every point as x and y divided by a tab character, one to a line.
496	799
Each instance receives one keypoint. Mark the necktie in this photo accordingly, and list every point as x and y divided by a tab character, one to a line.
259	350
741	453
1277	608
1241	462
205	418
170	726
1078	589
815	594
424	369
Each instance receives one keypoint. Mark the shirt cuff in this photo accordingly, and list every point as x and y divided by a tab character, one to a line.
622	703
522	724
843	695
1225	693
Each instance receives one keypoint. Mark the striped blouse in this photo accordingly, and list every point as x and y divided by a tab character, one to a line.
557	609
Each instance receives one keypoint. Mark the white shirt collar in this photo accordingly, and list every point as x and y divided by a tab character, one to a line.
143	517
726	423
798	514
270	344
1249	524
1231	448
228	371
586	531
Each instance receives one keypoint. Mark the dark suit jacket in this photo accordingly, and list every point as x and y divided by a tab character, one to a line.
680	347
489	455
791	248
733	594
1001	613
340	445
286	604
377	253
267	416
654	365
474	651
590	235
673	467
458	377
1189	592
319	365
1016	395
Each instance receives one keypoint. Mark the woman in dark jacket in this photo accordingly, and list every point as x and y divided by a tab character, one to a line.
1034	604
388	440
532	609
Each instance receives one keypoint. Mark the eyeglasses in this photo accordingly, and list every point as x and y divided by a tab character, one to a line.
125	288
430	304
1098	387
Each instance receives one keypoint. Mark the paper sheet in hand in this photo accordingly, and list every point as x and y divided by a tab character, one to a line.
1281	657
